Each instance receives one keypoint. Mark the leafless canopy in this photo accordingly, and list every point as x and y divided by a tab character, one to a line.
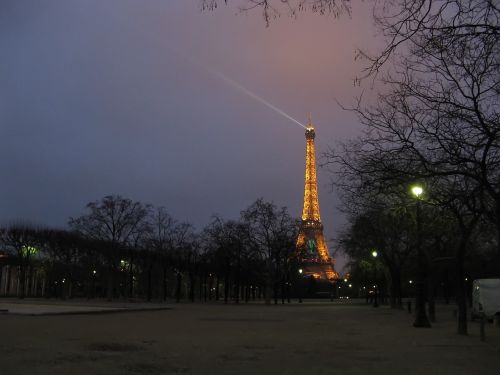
273	9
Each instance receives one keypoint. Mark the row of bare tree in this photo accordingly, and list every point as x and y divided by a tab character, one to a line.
435	123
127	249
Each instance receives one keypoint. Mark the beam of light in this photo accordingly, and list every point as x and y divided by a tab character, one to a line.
242	89
256	97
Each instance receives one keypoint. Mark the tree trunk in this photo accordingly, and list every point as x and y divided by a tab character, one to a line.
217	281
131	279
446	288
31	281
165	290
8	281
237	279
396	299
227	288
150	283
205	287
269	283
498	226
275	291
288	287
109	289
465	230
461	301
431	293
226	281
210	286
276	282
192	285
178	288
44	283
22	279
70	288
237	287
200	287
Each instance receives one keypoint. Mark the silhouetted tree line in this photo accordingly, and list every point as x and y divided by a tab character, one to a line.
436	124
125	249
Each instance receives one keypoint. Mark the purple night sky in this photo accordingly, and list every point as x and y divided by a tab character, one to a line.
103	97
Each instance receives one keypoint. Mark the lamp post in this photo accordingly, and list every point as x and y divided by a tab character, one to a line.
332	289
300	285
421	320
375	296
94	273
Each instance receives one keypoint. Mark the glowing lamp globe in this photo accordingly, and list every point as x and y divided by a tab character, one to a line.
417	191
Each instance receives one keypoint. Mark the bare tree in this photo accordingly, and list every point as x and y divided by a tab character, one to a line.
65	249
113	219
272	233
390	233
21	240
162	236
273	9
185	253
222	242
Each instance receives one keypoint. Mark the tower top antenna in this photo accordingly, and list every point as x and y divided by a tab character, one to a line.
310	134
309	122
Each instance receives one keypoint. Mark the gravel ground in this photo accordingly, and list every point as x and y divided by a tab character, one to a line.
312	338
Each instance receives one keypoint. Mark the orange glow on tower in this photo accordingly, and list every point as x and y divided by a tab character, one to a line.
311	201
312	250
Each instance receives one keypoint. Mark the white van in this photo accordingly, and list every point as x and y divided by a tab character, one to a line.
486	297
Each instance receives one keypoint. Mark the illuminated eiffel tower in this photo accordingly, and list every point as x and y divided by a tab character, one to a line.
312	250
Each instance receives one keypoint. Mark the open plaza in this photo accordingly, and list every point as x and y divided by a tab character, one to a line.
315	337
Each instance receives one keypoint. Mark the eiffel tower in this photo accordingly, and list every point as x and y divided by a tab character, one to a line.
312	250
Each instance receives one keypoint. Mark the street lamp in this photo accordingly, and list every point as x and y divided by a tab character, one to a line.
375	297
300	285
417	191
94	273
421	319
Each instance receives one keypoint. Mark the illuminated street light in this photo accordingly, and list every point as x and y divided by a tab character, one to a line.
417	191
375	291
421	319
299	284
